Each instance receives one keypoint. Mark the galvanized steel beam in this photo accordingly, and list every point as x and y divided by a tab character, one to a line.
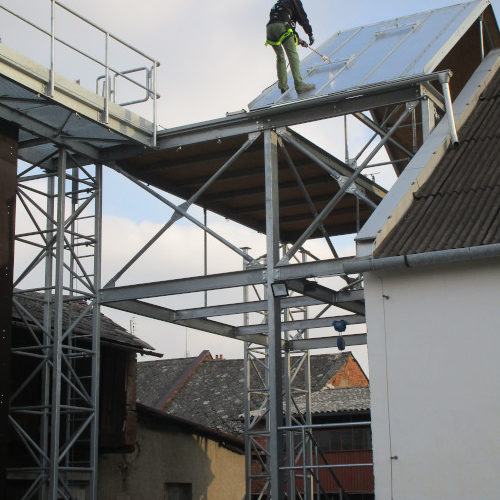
326	342
322	268
329	296
286	326
339	298
47	132
360	99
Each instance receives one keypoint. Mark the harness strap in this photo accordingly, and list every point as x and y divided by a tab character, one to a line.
283	37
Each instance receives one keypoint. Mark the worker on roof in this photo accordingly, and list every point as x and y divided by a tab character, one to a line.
283	18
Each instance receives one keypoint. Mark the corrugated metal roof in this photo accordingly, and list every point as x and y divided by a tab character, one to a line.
459	205
342	400
380	52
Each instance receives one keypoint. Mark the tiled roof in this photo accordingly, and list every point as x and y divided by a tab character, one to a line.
214	394
347	399
110	331
158	379
459	205
147	414
324	367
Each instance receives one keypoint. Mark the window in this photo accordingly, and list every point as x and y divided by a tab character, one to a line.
178	491
344	439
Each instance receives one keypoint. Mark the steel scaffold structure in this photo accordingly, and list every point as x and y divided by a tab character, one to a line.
269	345
65	272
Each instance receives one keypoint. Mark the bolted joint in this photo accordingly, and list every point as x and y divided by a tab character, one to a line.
410	106
444	76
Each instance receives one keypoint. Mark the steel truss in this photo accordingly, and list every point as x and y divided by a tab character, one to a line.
66	361
281	454
59	427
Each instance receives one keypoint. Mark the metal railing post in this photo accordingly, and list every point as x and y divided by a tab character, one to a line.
106	85
52	47
155	103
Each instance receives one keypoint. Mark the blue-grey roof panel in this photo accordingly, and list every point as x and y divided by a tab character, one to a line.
380	52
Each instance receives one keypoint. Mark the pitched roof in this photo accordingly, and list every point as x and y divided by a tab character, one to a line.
214	394
459	205
324	367
147	415
110	331
347	399
158	381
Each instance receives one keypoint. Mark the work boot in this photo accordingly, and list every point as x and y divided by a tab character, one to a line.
305	88
284	90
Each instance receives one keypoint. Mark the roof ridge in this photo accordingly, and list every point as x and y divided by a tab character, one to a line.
181	380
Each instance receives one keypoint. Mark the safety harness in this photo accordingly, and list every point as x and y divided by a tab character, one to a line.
283	37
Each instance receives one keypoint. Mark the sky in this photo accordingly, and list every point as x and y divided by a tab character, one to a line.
213	61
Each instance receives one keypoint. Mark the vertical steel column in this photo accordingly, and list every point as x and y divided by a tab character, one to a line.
308	452
47	324
205	255
8	171
428	117
289	436
248	444
58	331
96	336
275	416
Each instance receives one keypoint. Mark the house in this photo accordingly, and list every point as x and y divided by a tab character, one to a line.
143	452
118	419
211	392
174	459
432	296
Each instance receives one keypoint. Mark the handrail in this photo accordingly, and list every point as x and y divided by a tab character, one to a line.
114	37
151	74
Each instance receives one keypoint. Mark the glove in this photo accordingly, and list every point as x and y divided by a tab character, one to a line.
302	43
311	39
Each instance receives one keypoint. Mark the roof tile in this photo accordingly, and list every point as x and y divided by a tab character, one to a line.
459	205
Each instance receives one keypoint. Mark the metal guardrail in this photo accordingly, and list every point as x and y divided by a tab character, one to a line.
111	74
317	467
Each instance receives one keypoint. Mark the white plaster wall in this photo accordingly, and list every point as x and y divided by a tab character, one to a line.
434	347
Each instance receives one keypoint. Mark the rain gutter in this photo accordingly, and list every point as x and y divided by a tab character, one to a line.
369	263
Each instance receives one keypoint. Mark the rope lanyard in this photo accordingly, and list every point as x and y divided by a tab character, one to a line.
283	37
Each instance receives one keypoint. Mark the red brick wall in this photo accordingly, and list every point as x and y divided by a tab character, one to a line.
350	375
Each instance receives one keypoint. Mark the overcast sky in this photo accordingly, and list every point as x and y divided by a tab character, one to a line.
213	60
